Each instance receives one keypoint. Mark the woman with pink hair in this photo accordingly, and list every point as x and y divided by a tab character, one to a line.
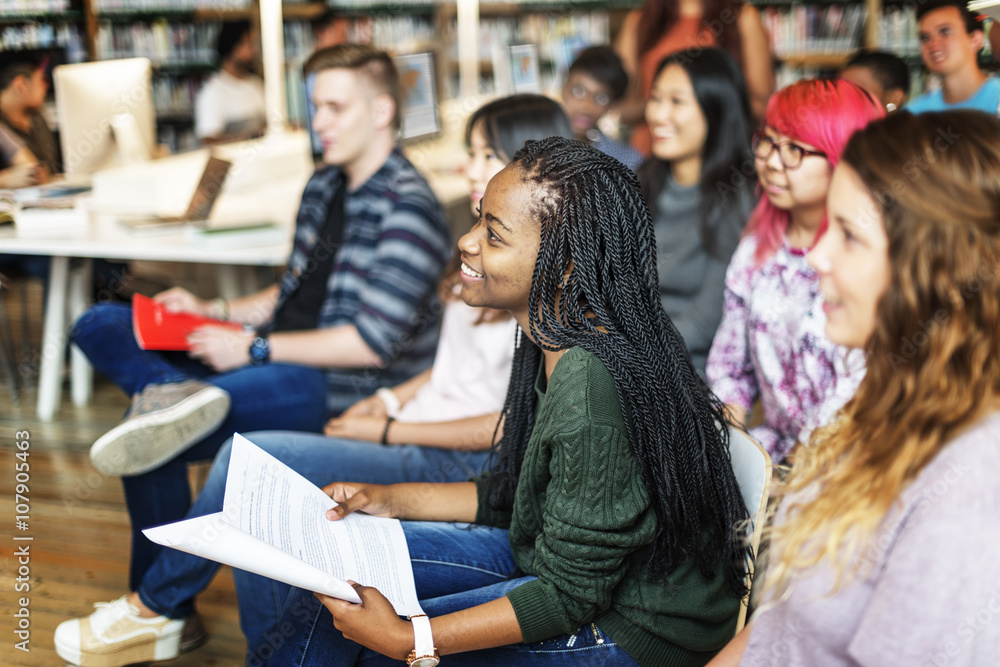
770	344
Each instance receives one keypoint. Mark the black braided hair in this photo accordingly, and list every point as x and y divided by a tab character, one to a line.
597	233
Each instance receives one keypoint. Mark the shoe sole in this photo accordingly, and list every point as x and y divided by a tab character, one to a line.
144	443
138	649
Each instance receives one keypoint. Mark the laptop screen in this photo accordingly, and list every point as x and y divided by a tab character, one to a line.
208	189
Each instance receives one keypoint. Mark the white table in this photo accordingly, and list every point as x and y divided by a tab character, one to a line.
68	291
267	185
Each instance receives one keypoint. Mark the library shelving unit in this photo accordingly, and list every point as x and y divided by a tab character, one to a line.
178	36
556	27
808	37
44	24
818	36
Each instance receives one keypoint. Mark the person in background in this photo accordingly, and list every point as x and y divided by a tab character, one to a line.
662	27
329	29
23	87
696	187
573	551
770	344
885	546
437	426
354	311
230	104
18	167
951	38
885	75
596	81
23	131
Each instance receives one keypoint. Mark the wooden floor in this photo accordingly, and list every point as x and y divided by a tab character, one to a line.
80	530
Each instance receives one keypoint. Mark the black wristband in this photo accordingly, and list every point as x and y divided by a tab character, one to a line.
385	433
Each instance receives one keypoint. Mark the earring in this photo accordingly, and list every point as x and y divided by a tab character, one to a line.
890	107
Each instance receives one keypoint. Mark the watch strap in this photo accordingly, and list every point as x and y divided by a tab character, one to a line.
260	350
423	639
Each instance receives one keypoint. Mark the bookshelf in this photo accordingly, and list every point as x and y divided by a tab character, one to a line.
817	37
178	36
557	27
44	24
809	37
805	43
558	30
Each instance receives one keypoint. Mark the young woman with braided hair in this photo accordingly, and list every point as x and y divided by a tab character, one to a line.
885	548
606	530
442	424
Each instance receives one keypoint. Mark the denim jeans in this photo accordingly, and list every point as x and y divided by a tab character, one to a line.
170	585
272	396
455	567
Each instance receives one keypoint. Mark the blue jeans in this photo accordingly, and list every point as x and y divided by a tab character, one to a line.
455	567
170	585
272	396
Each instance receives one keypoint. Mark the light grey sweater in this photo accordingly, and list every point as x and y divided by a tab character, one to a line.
692	280
933	593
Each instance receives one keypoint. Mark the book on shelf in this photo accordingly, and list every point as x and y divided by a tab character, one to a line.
812	29
273	523
166	44
152	6
898	30
44	35
32	6
157	328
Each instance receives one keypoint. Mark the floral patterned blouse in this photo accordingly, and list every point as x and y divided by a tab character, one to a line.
771	345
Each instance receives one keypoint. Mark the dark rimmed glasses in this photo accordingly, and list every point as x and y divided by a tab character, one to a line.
790	154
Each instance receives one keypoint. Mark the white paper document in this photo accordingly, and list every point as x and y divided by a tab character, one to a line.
273	523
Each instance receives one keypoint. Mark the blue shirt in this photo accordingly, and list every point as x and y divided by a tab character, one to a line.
385	275
987	99
619	151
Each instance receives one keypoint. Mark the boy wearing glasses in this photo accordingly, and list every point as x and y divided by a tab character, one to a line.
597	80
950	40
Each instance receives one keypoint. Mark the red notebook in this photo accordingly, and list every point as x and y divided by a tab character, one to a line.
157	328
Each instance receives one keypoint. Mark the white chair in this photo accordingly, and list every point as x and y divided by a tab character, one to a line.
752	466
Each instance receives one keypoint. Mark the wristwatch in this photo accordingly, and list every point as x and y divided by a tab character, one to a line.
423	654
260	351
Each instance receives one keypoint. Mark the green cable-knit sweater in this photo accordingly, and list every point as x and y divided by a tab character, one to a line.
582	523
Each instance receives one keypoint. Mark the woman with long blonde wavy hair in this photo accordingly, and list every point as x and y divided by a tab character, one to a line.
885	548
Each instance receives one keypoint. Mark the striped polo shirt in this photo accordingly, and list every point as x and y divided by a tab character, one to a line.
385	274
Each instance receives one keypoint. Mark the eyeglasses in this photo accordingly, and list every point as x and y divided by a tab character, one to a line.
791	155
599	98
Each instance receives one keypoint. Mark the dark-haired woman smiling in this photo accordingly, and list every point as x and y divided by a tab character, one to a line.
604	533
696	187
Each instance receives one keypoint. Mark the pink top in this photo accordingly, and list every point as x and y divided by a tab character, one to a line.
771	345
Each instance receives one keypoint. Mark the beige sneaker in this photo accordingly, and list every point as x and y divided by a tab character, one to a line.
163	421
116	635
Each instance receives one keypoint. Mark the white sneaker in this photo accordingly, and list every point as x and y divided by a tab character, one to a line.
163	421
116	635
